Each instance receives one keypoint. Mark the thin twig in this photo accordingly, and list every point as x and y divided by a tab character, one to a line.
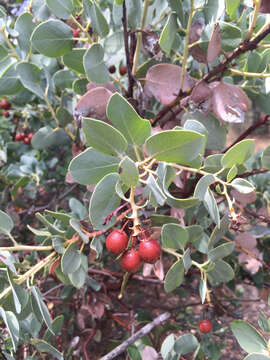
139	334
129	70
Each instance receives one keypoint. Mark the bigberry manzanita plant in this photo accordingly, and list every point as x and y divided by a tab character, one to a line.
137	97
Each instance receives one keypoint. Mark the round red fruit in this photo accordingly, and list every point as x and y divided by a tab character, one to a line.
4	104
26	140
205	326
122	70
6	114
116	241
76	32
149	250
112	69
30	135
18	137
131	261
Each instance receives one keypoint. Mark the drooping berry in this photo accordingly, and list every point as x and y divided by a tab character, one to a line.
205	326
149	250
131	261
122	70
30	135
116	241
4	104
6	114
112	69
76	32
18	137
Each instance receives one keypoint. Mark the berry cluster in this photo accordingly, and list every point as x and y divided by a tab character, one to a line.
5	105
23	137
149	250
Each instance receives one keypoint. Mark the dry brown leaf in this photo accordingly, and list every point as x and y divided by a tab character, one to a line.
194	35
230	103
159	269
214	46
163	82
248	241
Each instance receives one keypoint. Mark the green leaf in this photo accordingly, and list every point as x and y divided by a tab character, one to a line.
6	223
231	7
231	36
123	116
63	79
221	273
232	173
211	205
12	325
174	276
238	154
219	232
103	137
20	296
203	185
8	259
30	76
176	146
76	226
78	209
156	190
128	171
9	81
43	346
52	38
71	259
56	327
212	163
46	137
174	236
159	220
242	185
202	290
74	60
168	34
134	11
98	21
185	344
177	6
90	166
256	357
78	277
221	251
60	8
38	303
266	158
103	202
134	353
24	26
167	346
187	259
264	323
94	66
248	337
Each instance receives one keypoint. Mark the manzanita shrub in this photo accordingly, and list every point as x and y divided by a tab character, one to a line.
133	100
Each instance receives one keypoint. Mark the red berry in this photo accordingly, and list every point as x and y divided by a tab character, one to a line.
112	69
4	104
122	70
30	135
23	135
18	137
76	32
131	261
6	114
205	326
149	250
26	140
117	241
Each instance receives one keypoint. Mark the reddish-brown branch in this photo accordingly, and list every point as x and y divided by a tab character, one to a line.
263	120
86	342
253	172
129	66
219	69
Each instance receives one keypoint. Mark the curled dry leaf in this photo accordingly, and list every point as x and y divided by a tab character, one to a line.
147	269
265	7
159	269
150	45
163	82
194	35
200	98
214	46
248	241
244	199
93	103
229	103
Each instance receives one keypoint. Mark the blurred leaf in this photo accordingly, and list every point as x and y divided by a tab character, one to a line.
238	153
231	7
94	66
60	8
40	306
219	232
211	205
25	26
185	344
168	34
248	337
12	325
242	185
56	327
43	346
266	158
6	223
96	17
